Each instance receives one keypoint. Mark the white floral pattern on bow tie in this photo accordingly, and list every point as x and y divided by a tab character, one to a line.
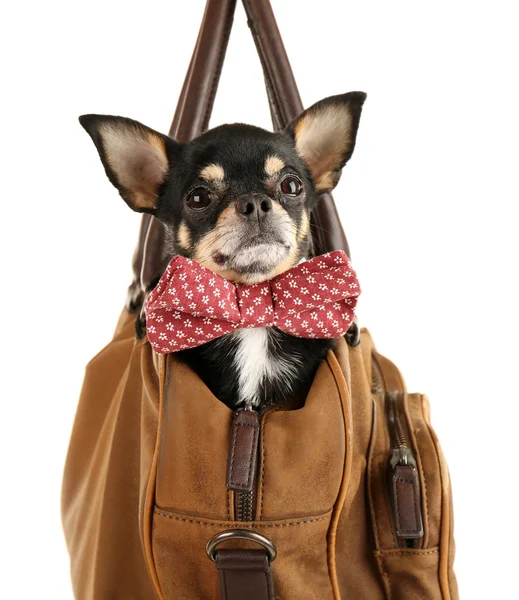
191	305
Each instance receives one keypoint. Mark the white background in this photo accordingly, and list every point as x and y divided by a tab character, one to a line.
429	203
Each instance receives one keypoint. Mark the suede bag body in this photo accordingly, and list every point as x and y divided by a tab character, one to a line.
145	483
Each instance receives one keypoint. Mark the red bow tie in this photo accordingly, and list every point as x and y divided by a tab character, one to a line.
191	305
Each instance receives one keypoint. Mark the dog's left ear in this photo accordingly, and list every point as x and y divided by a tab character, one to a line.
325	134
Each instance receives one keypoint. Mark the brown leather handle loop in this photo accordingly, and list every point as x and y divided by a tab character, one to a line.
245	574
191	119
199	90
194	110
285	106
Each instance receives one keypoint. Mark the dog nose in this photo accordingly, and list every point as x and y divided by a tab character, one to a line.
254	207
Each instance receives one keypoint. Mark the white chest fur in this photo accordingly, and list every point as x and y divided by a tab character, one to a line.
258	362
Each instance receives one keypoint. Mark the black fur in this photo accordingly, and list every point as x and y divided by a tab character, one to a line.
241	151
214	363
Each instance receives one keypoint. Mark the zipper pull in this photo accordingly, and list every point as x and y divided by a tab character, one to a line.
402	456
243	450
405	496
404	481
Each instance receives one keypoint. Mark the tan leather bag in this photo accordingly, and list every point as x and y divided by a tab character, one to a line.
345	497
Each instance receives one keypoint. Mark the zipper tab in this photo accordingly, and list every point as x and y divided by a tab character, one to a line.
405	500
404	481
243	451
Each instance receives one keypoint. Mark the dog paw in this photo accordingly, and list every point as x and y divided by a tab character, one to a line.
134	297
353	334
140	327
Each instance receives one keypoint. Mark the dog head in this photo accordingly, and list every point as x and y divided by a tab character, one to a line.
236	199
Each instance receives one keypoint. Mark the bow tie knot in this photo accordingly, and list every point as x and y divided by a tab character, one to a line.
256	305
191	305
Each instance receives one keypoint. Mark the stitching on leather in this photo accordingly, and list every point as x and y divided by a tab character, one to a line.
344	398
408	482
370	477
229	504
385	576
386	553
382	468
239	525
426	495
234	436
260	499
251	454
421	470
254	443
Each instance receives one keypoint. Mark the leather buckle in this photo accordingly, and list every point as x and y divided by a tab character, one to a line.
240	534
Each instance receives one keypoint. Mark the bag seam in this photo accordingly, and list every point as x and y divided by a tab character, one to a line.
344	397
416	552
262	441
444	505
240	524
151	484
420	463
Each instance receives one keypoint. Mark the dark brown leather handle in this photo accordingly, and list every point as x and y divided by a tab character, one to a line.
194	109
191	119
285	106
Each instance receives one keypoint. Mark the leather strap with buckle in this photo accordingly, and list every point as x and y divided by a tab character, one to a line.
244	574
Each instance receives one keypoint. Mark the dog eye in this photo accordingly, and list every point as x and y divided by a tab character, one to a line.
291	186
198	199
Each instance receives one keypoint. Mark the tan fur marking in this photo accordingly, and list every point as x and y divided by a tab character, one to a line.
322	139
205	248
139	160
273	165
184	237
305	226
213	172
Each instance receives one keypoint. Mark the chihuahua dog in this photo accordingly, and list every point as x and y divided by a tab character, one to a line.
237	200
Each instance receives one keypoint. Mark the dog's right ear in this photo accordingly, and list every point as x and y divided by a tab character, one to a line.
136	158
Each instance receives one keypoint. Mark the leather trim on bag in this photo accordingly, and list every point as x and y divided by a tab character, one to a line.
446	517
243	451
245	571
150	492
243	524
339	505
393	380
423	481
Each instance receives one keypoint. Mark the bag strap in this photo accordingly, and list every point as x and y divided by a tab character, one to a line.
285	106
194	110
245	570
191	118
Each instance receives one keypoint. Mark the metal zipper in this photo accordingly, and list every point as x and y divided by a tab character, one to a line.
404	481
244	506
401	452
